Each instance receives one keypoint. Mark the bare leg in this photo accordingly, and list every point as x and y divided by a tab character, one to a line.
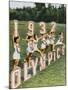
28	57
16	64
53	46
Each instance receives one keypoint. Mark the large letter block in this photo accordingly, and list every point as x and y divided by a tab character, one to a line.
63	50
58	53
42	62
30	28
26	75
16	78
54	55
15	27
42	28
34	65
50	56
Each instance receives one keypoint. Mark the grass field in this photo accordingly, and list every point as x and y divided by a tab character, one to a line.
53	74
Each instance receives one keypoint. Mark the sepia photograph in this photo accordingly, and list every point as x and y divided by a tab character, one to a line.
37	44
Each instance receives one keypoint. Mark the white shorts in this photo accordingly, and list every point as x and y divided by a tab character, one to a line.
59	43
35	48
48	42
52	42
28	50
43	46
16	56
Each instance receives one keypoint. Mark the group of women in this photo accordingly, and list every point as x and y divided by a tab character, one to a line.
46	38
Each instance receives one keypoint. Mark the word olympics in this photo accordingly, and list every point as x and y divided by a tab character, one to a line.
50	50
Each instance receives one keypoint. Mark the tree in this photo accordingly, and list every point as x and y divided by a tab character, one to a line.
39	6
40	13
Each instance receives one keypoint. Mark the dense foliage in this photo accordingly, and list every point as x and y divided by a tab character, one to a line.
40	13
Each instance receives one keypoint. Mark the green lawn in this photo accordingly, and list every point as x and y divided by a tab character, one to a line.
53	74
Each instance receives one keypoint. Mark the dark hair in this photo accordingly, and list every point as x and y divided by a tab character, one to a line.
29	37
15	38
35	36
27	57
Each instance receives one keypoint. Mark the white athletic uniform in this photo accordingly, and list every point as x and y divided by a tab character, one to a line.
51	39
30	48
44	44
16	54
48	41
59	42
35	45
